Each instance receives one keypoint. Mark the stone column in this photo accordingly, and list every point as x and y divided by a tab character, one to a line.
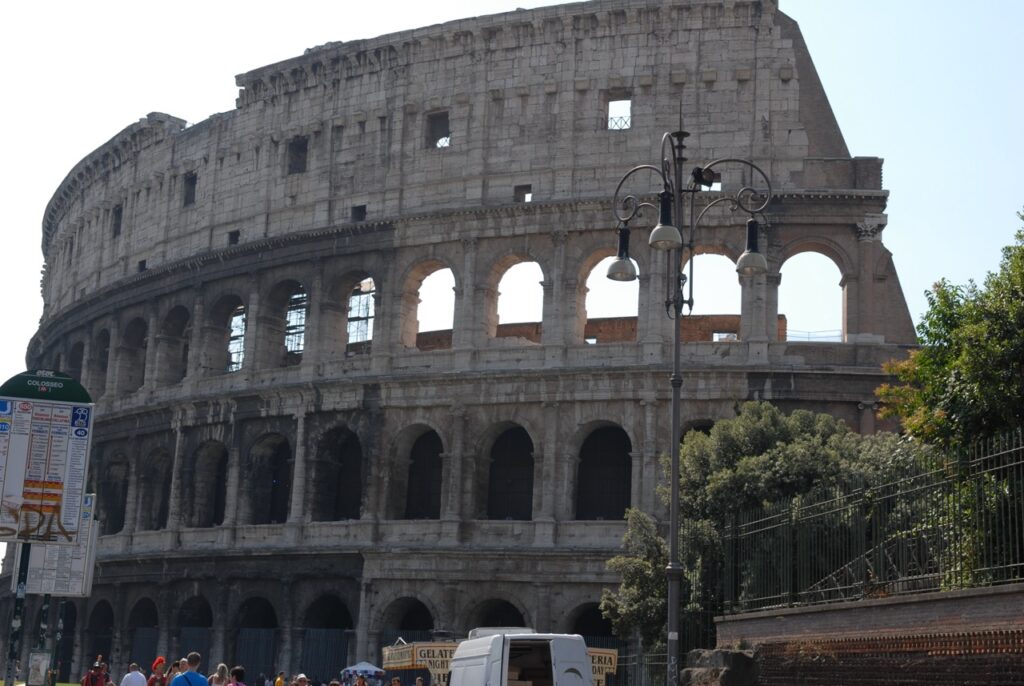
219	639
88	376
453	488
364	639
553	335
286	648
772	281
165	598
546	486
175	516
196	351
869	236
112	358
252	345
232	515
649	473
654	327
466	332
150	363
867	416
131	506
297	504
313	345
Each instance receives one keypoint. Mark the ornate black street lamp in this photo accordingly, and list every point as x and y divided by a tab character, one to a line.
666	237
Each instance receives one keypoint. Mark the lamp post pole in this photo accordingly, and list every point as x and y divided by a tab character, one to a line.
666	237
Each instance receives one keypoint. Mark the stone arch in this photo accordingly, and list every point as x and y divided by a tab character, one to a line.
112	491
349	314
408	314
504	483
267	485
499	269
813	310
172	346
100	630
408	617
153	485
282	325
195	625
131	356
99	362
823	245
586	327
587	621
67	645
206	500
337	483
143	623
327	624
423	485
397	478
76	361
495	612
255	644
223	350
604	471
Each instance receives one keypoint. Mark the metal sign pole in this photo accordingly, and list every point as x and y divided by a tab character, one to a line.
14	634
57	638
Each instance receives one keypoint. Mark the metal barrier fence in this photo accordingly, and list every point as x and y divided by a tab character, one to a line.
960	525
637	669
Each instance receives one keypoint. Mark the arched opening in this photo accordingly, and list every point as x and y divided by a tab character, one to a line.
325	639
510	481
361	309
604	476
206	500
143	621
113	493
594	628
195	618
172	347
255	644
406	618
75	361
717	299
811	298
282	326
423	492
66	652
498	613
517	309
610	307
224	339
269	480
428	308
100	359
131	356
337	477
154	489
99	637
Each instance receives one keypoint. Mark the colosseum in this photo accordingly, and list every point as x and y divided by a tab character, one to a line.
291	471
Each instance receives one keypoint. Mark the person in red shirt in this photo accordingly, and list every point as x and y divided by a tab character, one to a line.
157	678
95	676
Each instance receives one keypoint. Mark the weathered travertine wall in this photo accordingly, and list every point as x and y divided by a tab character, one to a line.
409	481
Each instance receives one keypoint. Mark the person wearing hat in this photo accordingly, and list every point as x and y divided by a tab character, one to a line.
95	675
158	669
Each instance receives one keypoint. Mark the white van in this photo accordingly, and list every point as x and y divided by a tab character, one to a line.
520	657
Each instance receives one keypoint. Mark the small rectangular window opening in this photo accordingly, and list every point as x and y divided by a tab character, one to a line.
523	193
359	213
191	179
439	133
298	153
724	336
116	217
590	341
233	237
619	114
142	266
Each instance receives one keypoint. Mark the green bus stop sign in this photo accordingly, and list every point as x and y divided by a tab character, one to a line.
45	384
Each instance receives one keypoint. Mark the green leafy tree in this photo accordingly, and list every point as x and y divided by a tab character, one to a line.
761	456
967	379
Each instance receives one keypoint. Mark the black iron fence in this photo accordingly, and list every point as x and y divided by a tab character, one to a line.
957	525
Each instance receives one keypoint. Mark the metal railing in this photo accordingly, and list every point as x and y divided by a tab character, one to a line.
958	525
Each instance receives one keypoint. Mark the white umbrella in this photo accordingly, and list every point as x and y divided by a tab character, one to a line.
364	668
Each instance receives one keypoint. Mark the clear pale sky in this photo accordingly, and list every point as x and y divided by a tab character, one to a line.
932	86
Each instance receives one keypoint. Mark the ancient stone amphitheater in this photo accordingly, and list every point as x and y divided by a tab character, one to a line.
291	473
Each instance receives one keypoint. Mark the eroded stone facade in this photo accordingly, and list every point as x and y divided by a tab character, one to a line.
284	485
